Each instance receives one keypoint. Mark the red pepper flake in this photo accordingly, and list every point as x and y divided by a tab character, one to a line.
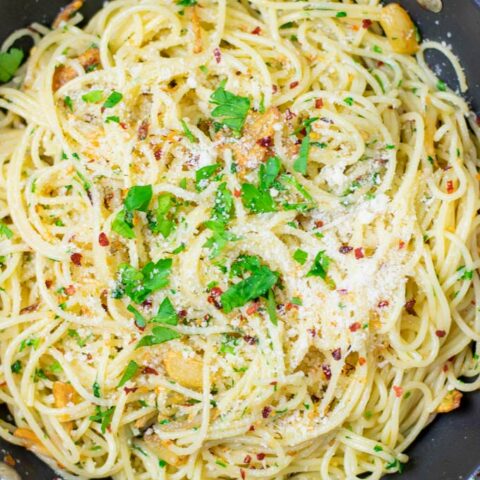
342	291
362	361
450	188
337	354
260	456
274	88
247	459
182	313
157	153
217	54
266	412
290	306
359	253
401	244
143	130
252	428
237	193
123	125
149	371
249	339
345	249
128	390
380	64
366	23
410	306
293	84
318	103
383	303
265	142
440	333
243	474
103	240
213	298
354	327
76	258
319	223
253	308
70	290
312	331
445	368
256	31
327	371
48	283
147	303
289	114
398	391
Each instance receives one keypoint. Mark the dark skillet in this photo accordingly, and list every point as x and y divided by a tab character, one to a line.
449	449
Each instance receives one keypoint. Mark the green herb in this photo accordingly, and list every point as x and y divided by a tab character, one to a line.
104	417
188	133
379	81
94	96
140	321
231	109
272	307
300	164
85	183
113	99
228	344
129	373
203	68
68	103
320	265
186	3
465	274
297	185
390	147
123	225
223	206
259	283
441	86
300	256
162	463
62	305
203	174
9	63
30	342
349	101
16	367
395	465
244	263
218	241
55	367
159	335
378	448
257	200
39	374
138	198
166	313
261	106
222	464
5	231
377	49
96	389
179	249
268	172
297	301
287	25
341	14
138	284
112	119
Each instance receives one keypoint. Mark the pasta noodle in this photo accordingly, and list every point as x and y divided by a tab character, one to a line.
238	240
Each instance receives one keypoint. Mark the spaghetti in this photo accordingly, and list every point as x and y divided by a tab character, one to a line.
238	240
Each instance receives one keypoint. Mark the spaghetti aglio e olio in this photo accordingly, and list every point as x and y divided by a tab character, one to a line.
238	239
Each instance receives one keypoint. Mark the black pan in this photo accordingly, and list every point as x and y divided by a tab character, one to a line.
449	449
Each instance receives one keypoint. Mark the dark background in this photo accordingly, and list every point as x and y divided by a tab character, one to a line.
449	449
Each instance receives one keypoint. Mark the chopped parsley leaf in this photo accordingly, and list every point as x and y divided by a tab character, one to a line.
320	265
159	335
9	63
166	313
113	99
129	373
94	96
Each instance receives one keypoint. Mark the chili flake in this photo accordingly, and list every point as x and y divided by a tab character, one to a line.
213	298
450	188
265	142
354	327
337	354
398	391
359	253
383	304
327	371
76	258
103	240
293	84
366	23
346	249
247	459
440	333
318	103
260	456
256	31
266	412
410	306
217	54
